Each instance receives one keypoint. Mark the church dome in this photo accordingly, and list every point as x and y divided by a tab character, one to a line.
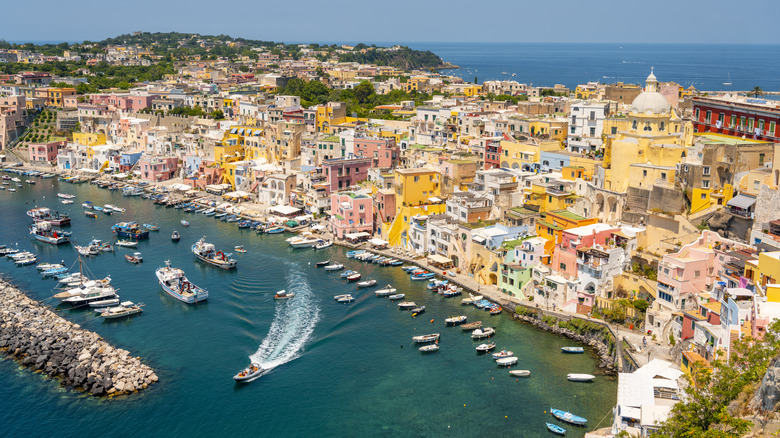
650	101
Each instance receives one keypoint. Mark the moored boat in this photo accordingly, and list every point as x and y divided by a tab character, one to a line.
367	283
407	305
573	350
43	232
428	348
482	333
127	243
334	267
133	259
91	214
502	354
574	377
520	373
484	348
554	428
353	277
387	290
471	326
43	214
324	245
418	310
176	284
130	229
568	417
396	297
506	361
151	227
175	236
344	298
323	263
126	308
423	276
184	223
455	320
424	339
207	253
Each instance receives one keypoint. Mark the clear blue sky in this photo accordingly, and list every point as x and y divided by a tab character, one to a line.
351	21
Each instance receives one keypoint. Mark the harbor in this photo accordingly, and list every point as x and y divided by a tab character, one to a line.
354	356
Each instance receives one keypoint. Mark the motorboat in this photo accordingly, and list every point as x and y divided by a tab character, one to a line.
27	260
175	236
207	253
126	308
130	229
239	248
18	255
210	211
568	417
387	290
91	214
127	243
455	320
418	310
282	294
484	348
396	297
424	339
423	276
506	361
471	326
407	305
324	245
345	298
151	227
107	212
53	272
496	310
47	266
184	223
428	348
367	283
87	250
554	428
43	214
134	259
89	295
44	232
248	373
353	277
482	333
334	267
520	373
346	274
502	354
305	242
353	254
580	377
324	263
573	350
65	201
176	284
64	195
274	230
109	302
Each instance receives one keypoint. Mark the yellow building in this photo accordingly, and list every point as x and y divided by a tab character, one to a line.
765	273
519	155
414	189
552	127
89	138
330	114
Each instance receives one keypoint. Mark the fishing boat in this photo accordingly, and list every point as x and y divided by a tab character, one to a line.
176	284
484	348
184	223
175	236
506	362
151	227
502	354
53	272
43	232
554	428
574	377
130	229
323	263
424	339
482	333
396	297
455	320
353	277
367	283
407	305
127	243
423	276
244	224
133	259
387	290
568	417
573	350
43	214
282	294
334	267
126	308
248	373
428	348
520	373
91	214
471	326
324	245
207	253
418	310
345	298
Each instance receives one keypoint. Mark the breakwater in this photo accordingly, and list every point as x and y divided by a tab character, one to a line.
42	340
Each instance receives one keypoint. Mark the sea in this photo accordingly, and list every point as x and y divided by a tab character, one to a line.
705	66
334	370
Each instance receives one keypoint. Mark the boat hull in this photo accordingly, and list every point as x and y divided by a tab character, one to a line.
219	264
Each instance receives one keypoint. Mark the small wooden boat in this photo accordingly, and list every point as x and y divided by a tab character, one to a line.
275	230
502	354
345	298
482	333
429	348
506	362
407	305
353	277
133	259
580	377
455	320
484	348
346	274
323	263
568	417
471	326
520	373
396	297
91	214
175	236
185	223
282	294
495	310
424	339
554	428
239	248
418	310
127	243
573	350
367	283
248	373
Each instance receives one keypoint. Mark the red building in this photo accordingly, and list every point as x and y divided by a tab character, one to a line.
342	173
756	119
493	152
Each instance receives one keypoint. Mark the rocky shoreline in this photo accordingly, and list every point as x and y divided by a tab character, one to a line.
44	341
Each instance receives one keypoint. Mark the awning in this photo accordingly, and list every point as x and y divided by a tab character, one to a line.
434	199
359	235
741	201
318	227
479	239
284	210
439	259
378	242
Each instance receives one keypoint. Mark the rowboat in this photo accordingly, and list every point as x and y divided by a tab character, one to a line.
367	283
568	417
471	326
335	267
424	339
484	348
396	297
502	354
482	333
418	310
151	227
185	223
407	305
353	277
282	294
580	377
429	348
573	350
248	373
554	428
322	263
90	214
520	373
506	362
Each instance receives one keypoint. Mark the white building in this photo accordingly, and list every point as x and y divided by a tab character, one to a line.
645	398
586	125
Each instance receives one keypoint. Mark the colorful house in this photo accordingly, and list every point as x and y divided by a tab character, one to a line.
351	213
45	152
553	223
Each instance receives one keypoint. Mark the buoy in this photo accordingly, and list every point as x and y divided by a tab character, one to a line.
431	321
504	416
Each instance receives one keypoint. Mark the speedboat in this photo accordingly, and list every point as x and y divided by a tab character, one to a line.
396	297
573	350
506	361
424	339
554	428
248	373
568	417
455	320
429	348
367	283
580	377
407	305
482	333
484	348
282	294
132	259
388	290
323	245
502	354
345	298
126	308
520	373
54	272
175	236
239	248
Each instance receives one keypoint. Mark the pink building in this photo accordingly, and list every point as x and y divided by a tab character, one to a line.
341	173
45	152
384	200
12	116
351	213
565	254
158	169
382	151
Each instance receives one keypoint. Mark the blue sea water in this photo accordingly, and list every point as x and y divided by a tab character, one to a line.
335	370
706	67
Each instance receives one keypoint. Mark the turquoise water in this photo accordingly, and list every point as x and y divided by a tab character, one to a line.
336	369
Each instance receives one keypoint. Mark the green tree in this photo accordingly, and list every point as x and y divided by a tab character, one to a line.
757	91
217	115
364	91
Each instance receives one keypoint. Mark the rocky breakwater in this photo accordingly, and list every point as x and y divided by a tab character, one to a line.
38	338
593	334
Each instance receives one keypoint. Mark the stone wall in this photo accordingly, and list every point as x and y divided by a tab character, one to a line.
38	338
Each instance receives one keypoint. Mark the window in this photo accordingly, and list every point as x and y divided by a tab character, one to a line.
703	196
416	179
705	183
756	185
705	170
648	127
697	114
721	118
663	175
634	125
751	123
761	159
644	172
592	131
563	266
772	126
696	274
708	117
614	130
732	121
662	126
573	129
761	126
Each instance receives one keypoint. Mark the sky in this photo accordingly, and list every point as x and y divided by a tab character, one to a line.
353	21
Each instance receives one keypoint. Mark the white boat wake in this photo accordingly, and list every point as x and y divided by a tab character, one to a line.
292	326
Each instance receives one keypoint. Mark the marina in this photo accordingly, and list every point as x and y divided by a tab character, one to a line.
241	323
